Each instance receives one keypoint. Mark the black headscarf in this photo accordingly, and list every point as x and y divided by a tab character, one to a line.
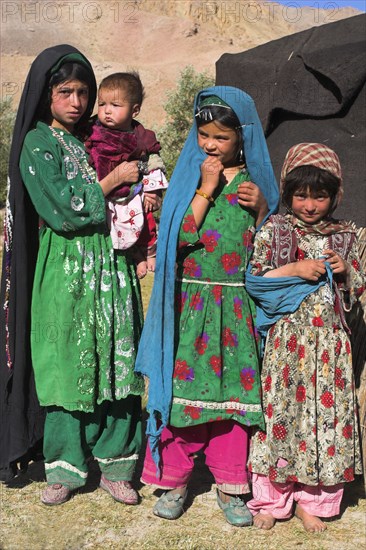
21	417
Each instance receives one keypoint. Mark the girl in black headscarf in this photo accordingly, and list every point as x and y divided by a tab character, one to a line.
81	331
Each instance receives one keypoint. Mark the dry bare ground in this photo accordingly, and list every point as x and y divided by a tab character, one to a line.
93	521
159	38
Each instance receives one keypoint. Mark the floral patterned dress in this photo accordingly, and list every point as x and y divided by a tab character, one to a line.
307	381
216	373
86	306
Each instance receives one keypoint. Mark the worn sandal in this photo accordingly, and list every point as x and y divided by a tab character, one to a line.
122	491
54	494
170	506
235	511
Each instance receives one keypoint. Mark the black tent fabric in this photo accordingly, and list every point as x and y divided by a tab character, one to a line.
310	87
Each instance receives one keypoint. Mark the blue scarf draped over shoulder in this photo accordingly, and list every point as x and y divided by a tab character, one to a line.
279	296
155	358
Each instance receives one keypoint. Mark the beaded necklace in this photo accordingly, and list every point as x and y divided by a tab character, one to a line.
86	171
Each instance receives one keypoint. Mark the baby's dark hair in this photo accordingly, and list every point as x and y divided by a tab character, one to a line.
224	116
66	72
313	178
128	82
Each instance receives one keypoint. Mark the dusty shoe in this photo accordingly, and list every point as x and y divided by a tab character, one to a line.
54	494
170	505
235	511
122	491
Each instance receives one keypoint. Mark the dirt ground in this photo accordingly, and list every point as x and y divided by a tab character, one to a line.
92	520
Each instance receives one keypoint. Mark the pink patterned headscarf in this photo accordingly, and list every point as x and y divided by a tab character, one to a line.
312	154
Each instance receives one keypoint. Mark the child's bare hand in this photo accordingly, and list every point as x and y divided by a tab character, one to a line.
310	270
251	196
211	170
152	202
338	264
126	172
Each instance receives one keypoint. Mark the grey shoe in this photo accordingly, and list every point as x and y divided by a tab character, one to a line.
170	506
54	494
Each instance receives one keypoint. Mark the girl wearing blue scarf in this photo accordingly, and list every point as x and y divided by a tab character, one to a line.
305	265
198	346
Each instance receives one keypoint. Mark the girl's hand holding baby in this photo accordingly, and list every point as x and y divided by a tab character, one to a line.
126	172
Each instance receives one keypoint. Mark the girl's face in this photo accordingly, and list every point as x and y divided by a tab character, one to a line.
310	207
219	141
69	101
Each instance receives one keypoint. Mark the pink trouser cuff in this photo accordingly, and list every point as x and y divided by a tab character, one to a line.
277	499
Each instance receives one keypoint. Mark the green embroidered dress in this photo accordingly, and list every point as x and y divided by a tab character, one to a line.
216	371
86	307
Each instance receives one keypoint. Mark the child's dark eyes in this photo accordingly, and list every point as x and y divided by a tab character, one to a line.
69	91
219	138
304	196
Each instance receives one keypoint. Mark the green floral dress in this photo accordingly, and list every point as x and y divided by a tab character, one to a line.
216	373
86	306
308	390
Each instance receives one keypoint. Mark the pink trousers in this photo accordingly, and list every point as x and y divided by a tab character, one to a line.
277	499
225	444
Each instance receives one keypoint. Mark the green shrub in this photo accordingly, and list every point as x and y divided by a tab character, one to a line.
7	119
179	110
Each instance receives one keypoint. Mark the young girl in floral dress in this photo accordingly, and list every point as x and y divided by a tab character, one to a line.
306	270
201	354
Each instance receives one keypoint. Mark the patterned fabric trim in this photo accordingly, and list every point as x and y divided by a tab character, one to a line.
284	243
113	460
8	245
183	280
232	405
65	466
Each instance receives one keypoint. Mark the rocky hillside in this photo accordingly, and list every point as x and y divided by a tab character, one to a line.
157	37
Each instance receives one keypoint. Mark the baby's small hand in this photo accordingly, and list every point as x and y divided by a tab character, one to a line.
152	201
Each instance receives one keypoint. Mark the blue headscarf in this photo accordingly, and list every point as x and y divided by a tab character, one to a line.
155	357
